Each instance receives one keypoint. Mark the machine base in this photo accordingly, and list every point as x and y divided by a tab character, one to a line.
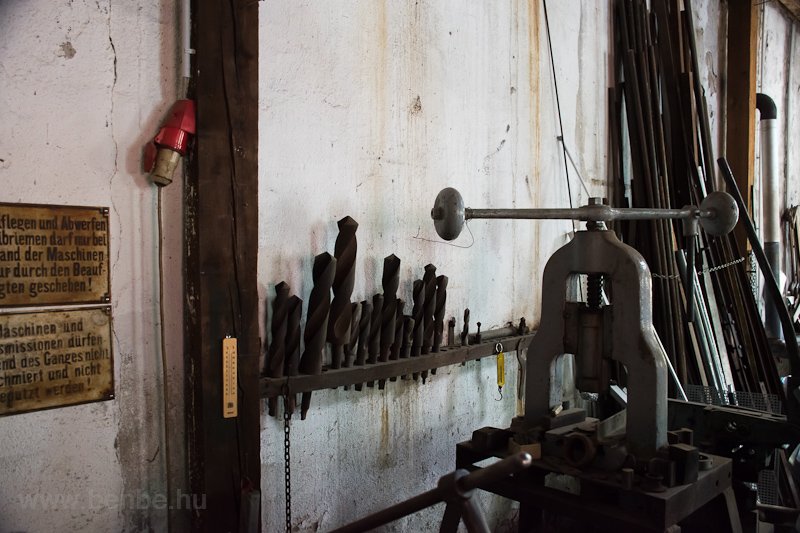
600	502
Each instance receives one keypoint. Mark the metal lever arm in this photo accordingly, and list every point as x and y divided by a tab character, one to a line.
717	213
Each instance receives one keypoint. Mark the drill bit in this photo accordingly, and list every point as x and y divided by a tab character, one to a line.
341	311
292	348
363	332
276	354
398	330
375	333
363	336
429	279
465	331
391	280
438	315
451	331
398	333
319	305
417	314
375	329
352	345
408	335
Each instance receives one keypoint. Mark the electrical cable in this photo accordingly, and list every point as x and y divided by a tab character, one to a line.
162	331
558	101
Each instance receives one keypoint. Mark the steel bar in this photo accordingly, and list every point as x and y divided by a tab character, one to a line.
600	213
331	378
770	285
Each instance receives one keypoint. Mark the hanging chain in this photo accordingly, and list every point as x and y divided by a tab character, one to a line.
287	463
704	271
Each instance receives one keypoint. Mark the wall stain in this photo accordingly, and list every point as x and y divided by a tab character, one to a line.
416	106
67	51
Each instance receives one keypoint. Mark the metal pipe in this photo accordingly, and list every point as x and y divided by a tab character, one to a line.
770	208
770	284
495	472
704	343
600	213
395	512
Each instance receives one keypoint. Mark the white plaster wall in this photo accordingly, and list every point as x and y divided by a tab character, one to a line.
710	19
779	77
368	109
83	85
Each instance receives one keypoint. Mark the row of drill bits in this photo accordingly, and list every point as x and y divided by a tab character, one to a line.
359	333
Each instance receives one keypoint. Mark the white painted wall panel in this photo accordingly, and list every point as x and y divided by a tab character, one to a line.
83	85
368	110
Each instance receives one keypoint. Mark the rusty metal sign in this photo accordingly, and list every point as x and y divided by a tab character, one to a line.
55	358
53	254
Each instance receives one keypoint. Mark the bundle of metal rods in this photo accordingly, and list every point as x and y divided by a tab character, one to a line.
659	124
358	333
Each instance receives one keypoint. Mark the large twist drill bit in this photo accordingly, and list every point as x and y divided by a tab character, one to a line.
417	313
391	281
429	279
465	331
355	331
341	311
276	354
438	315
364	332
292	348
398	330
352	344
408	338
398	333
375	333
319	306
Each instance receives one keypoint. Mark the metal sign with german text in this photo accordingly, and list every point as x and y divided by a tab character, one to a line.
55	358
51	254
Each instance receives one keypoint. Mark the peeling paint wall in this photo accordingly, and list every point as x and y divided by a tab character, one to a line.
83	86
368	110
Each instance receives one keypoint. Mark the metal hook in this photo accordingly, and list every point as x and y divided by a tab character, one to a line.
500	391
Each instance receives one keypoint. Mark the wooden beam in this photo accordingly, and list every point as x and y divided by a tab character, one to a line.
793	6
740	103
221	247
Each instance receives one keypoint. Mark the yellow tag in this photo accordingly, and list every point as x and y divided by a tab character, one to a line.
229	397
501	370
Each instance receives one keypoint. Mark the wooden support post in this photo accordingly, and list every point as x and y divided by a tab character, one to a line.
740	105
221	248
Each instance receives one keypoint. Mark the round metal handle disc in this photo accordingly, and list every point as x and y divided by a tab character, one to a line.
448	213
719	213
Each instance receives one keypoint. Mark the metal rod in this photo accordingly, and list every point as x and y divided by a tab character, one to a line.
395	512
771	285
497	471
590	212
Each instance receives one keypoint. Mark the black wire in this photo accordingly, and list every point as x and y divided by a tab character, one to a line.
558	102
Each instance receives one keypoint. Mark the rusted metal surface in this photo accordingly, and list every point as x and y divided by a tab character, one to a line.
55	358
53	254
333	378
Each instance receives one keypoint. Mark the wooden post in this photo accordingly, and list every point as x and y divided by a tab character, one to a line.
221	232
740	104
